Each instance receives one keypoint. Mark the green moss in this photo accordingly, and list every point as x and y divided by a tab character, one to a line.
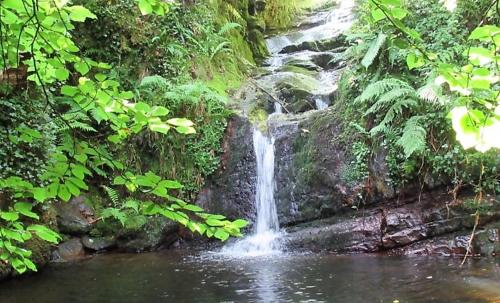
298	70
280	14
303	161
258	116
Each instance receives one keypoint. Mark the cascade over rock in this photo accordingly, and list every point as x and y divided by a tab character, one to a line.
318	202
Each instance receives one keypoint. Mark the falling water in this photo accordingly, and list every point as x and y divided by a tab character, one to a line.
320	103
265	239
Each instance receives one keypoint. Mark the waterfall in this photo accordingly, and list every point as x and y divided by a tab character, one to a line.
320	103
265	238
267	217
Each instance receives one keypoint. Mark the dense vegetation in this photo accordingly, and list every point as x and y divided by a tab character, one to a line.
69	126
411	65
126	100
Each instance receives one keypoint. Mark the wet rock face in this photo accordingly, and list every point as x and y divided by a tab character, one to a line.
484	243
342	235
418	228
308	173
231	191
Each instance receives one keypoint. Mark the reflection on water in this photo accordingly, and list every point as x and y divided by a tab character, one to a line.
177	277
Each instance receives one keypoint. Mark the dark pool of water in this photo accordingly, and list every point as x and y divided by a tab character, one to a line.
180	277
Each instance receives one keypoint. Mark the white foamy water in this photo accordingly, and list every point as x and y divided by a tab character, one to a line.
320	104
278	109
332	24
265	239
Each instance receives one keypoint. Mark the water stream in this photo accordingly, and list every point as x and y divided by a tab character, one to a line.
265	239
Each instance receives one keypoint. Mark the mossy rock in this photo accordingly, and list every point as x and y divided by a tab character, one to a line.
298	82
298	70
157	232
316	46
256	23
258	45
300	106
304	64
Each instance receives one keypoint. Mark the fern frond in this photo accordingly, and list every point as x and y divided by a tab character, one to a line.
393	111
112	195
229	26
389	98
219	48
380	87
374	50
82	126
234	14
413	138
432	93
154	82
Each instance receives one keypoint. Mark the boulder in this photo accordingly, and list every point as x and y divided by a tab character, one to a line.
68	251
303	63
98	243
74	217
485	243
158	232
316	46
328	60
257	44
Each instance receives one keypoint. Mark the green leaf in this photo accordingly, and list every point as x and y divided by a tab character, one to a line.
185	130
170	184
45	233
192	207
133	204
63	193
31	266
378	15
159	127
214	222
221	234
145	7
374	50
72	188
62	74
18	265
10	216
78	182
82	67
119	180
180	122
13	4
240	223
414	61
399	13
24	209
159	111
79	13
69	91
39	193
484	32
